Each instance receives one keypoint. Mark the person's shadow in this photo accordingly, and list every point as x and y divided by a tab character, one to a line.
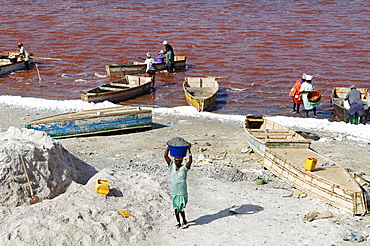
234	210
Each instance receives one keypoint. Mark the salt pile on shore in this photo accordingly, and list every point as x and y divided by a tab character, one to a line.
50	167
70	211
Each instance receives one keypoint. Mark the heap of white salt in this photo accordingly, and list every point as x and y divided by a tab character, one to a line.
51	168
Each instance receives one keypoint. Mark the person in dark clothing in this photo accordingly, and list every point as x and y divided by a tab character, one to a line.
355	102
170	57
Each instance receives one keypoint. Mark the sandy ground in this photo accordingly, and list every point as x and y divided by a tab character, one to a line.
226	206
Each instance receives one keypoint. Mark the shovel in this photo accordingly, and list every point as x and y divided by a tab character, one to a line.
34	199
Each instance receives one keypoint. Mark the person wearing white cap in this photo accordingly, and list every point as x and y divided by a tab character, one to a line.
150	67
306	87
356	105
296	94
170	57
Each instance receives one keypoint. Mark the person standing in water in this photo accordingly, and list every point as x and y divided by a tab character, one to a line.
296	94
170	57
178	175
306	87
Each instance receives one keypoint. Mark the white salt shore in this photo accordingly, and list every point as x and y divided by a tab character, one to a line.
226	206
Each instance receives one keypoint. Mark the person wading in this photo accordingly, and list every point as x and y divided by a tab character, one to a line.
296	94
306	87
170	57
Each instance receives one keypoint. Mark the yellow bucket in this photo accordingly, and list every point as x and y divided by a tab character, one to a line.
102	187
310	164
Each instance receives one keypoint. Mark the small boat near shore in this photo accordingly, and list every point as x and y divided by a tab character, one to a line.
119	70
263	133
94	121
285	154
341	108
200	92
9	63
120	90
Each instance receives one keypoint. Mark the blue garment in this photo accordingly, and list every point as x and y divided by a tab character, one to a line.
356	108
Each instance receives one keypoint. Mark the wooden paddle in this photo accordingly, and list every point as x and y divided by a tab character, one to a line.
47	58
34	199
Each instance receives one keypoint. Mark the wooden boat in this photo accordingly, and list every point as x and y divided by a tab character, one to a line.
94	121
119	70
285	155
128	87
341	110
263	133
8	65
200	92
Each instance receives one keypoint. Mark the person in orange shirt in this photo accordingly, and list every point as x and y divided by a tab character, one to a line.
296	94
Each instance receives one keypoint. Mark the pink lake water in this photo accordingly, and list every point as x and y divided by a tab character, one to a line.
258	49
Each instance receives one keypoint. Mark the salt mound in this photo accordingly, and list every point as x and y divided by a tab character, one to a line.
178	141
81	215
51	168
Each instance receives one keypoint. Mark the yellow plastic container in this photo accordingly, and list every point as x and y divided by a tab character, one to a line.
102	187
310	164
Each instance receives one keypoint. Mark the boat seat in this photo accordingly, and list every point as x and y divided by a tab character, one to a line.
286	134
109	88
278	130
257	130
121	85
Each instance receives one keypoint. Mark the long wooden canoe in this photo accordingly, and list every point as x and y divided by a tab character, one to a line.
119	70
94	121
200	92
341	111
9	65
286	157
128	87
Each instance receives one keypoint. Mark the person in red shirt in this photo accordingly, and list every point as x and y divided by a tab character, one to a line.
296	94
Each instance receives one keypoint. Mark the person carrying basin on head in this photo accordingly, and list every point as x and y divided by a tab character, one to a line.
170	57
356	105
178	176
296	94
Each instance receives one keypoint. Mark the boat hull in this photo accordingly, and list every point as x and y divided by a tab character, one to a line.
120	90
6	68
95	121
337	99
331	184
200	92
119	70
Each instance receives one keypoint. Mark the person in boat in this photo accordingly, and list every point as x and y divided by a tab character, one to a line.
170	57
296	94
306	87
150	67
178	175
355	102
24	55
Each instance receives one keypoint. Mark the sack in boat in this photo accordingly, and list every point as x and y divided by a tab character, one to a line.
313	96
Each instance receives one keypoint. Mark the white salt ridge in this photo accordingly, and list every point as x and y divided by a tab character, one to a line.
359	133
